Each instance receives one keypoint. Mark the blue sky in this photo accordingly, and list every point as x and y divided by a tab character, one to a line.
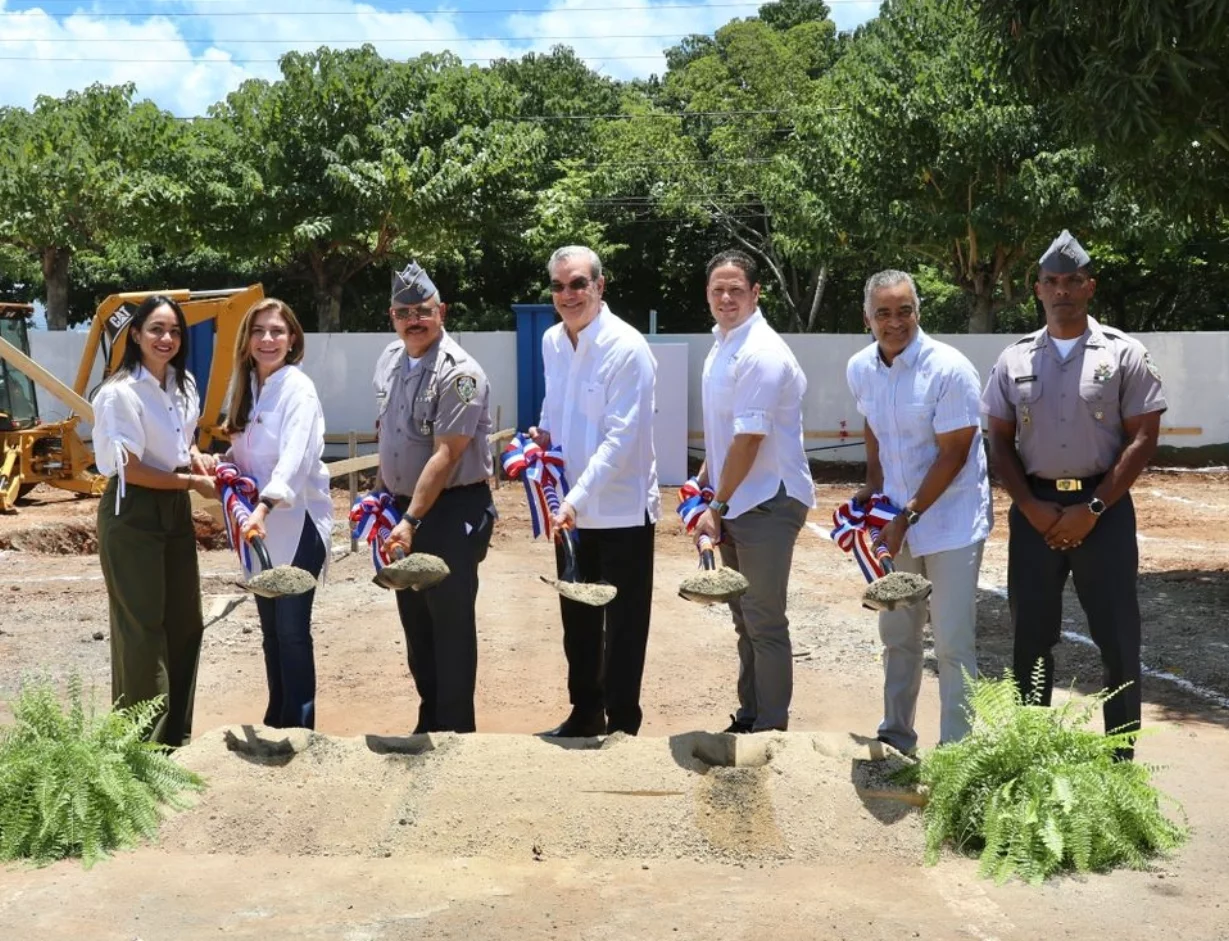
186	54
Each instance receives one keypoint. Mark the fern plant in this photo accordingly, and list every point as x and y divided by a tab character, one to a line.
78	783
1034	791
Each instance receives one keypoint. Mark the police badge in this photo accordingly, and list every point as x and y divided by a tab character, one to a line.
1103	372
1156	373
467	388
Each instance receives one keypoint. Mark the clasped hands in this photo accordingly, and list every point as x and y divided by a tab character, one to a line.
1064	527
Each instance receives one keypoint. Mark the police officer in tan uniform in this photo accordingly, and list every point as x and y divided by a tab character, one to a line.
435	460
1075	410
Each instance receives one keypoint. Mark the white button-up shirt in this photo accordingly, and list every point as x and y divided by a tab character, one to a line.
134	413
930	389
281	449
599	409
754	385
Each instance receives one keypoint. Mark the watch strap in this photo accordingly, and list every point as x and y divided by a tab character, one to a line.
414	521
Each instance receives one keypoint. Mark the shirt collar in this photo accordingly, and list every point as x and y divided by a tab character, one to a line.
276	379
1093	336
428	356
908	356
141	374
740	331
593	329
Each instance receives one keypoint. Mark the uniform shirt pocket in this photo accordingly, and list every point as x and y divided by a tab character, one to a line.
1028	389
424	412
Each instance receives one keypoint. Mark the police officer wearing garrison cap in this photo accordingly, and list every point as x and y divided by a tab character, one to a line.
1075	410
435	459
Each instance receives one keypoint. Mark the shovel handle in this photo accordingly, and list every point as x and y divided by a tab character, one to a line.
262	553
888	567
571	570
705	545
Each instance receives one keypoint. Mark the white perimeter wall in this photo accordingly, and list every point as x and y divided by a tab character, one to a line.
1194	367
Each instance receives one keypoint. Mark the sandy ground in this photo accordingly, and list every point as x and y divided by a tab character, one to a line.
367	833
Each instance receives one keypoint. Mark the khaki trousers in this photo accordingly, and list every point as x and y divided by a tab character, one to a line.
149	563
953	612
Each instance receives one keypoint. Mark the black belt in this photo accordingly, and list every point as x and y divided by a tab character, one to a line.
402	502
1067	484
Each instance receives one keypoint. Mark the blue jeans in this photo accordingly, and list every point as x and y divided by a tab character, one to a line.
286	623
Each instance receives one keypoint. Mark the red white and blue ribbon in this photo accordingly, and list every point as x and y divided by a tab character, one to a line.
693	500
542	474
239	494
857	526
372	519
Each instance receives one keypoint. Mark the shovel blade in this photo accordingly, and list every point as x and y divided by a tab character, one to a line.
895	590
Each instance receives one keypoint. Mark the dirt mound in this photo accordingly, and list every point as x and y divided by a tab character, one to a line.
696	795
81	538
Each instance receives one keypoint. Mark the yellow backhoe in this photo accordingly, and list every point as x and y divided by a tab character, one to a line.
34	452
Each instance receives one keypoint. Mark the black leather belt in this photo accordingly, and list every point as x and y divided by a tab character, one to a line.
1067	484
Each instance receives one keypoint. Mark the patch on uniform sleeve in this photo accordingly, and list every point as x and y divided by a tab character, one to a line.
1156	373
467	388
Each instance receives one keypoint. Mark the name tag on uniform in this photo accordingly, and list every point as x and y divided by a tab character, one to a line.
1020	379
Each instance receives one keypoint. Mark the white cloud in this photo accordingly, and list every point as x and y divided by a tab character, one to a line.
185	63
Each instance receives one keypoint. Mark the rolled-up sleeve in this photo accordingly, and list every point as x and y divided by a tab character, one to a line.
757	390
959	403
995	400
301	445
117	428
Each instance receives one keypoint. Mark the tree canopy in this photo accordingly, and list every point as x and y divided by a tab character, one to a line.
950	138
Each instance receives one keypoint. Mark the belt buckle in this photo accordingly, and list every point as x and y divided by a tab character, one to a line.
1069	485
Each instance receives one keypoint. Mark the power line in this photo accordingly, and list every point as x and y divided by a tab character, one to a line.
424	11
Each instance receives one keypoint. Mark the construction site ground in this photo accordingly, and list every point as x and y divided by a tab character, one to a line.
364	833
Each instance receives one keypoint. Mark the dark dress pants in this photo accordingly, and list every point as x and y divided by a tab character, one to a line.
441	631
1105	567
286	623
149	563
605	646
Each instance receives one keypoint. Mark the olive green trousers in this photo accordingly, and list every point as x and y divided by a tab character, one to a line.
149	562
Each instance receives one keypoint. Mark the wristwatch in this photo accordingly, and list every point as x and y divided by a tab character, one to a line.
912	516
269	503
414	521
1096	506
718	506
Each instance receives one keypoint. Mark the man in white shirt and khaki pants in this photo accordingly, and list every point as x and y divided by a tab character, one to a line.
757	466
600	379
922	404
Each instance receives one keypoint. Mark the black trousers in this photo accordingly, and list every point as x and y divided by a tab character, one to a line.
605	646
1105	567
441	633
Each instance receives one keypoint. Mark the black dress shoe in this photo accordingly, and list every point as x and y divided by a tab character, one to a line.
738	726
575	726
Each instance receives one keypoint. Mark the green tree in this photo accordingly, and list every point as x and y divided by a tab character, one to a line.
1147	84
75	172
359	161
945	163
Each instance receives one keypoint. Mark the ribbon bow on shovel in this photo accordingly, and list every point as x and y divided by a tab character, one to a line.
239	495
373	518
856	529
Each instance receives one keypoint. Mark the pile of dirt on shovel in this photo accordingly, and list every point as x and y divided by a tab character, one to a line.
697	795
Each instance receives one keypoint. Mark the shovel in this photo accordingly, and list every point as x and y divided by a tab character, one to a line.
570	586
277	581
712	585
418	570
895	589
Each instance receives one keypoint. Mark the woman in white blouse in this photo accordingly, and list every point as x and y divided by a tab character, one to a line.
145	419
276	428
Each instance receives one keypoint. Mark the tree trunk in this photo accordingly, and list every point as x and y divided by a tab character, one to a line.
817	296
55	282
328	308
982	318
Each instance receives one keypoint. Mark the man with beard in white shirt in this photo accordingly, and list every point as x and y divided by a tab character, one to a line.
755	462
600	379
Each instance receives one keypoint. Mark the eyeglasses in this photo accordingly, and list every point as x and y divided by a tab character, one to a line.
414	313
576	284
